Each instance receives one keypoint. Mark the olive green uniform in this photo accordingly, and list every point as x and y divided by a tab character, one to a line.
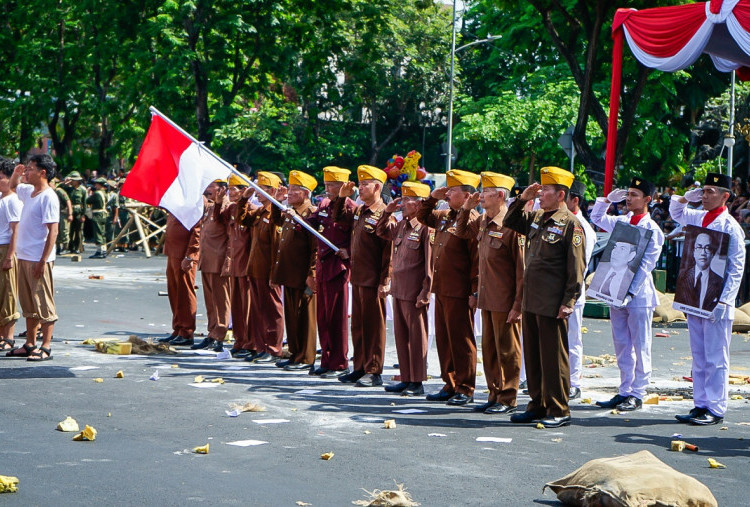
98	203
78	200
64	227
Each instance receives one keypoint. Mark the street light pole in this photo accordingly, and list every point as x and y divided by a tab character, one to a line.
449	154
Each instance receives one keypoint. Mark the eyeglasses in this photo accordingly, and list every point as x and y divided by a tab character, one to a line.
706	248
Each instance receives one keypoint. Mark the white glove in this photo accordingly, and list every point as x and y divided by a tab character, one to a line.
626	301
694	195
719	312
617	195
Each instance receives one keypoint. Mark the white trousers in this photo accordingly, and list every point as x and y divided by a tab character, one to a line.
631	334
522	377
575	345
709	344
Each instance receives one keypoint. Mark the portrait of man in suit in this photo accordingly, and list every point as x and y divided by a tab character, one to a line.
619	262
700	286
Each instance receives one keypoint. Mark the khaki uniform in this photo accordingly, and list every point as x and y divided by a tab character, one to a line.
214	265
370	265
180	243
501	267
411	280
240	237
295	261
555	263
455	278
63	235
98	203
78	201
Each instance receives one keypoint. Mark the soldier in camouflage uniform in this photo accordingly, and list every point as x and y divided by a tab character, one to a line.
98	202
66	216
77	194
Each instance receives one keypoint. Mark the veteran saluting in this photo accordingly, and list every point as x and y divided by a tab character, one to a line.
555	262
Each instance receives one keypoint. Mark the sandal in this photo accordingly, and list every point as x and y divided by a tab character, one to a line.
26	351
11	344
38	355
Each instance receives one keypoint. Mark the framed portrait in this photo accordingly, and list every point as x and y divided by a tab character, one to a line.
619	263
703	269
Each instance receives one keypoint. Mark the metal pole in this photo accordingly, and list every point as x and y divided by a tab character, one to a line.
729	141
572	155
450	95
257	188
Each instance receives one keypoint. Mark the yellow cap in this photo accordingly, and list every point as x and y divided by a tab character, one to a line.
457	177
368	172
497	180
220	180
268	179
556	176
236	181
415	189
303	180
333	173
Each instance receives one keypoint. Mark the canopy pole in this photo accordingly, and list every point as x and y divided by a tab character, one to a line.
729	139
614	109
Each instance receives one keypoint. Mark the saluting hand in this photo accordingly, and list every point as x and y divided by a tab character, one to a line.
439	193
564	312
393	205
347	189
472	202
281	193
531	192
220	193
248	192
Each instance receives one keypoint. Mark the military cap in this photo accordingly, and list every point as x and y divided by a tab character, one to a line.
718	180
303	180
457	178
578	188
268	179
368	172
333	173
236	181
496	180
415	189
644	186
75	176
100	180
555	176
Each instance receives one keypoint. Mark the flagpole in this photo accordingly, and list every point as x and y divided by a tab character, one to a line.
257	188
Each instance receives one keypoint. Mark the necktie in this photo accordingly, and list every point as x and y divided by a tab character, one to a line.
698	288
606	286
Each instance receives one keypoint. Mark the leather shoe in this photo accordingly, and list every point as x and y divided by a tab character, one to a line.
441	395
500	408
397	388
526	417
206	343
351	378
483	406
335	374
265	357
706	419
167	339
613	402
575	393
319	371
283	362
297	366
251	356
218	346
695	412
240	353
414	389
460	399
370	380
555	422
631	403
182	341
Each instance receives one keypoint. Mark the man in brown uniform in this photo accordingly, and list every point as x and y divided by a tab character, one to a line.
454	282
500	290
239	252
555	262
332	279
182	248
411	280
294	268
370	261
214	264
266	309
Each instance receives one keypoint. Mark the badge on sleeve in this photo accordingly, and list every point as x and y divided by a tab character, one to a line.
521	240
577	239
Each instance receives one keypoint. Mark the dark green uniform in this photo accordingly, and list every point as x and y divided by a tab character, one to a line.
64	227
98	203
78	200
111	211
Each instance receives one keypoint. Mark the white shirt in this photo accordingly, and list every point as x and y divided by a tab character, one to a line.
590	237
10	211
704	274
38	211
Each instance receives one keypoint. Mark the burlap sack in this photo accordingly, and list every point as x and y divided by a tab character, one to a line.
635	480
664	312
741	322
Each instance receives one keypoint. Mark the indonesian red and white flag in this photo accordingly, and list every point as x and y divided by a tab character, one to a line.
173	171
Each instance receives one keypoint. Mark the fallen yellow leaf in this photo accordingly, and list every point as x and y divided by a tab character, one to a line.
539	426
119	374
8	484
99	380
88	434
712	463
326	456
218	380
201	449
198	379
389	424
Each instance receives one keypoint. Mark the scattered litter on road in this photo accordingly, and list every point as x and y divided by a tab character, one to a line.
651	399
163	293
96	277
217	380
540	426
84	368
87	435
586	401
499	440
557	440
437	435
662	335
677	435
98	380
615	411
232	413
584	329
8	484
247	443
389	424
681	445
724	428
198	379
155	376
388	498
712	463
203	386
247	407
367	432
410	411
270	421
300	502
326	456
201	449
69	424
671	398
175	366
224	354
743	424
119	374
594	361
737	397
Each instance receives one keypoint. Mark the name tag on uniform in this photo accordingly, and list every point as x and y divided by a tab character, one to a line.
322	214
556	230
534	225
266	221
495	234
356	217
371	221
413	237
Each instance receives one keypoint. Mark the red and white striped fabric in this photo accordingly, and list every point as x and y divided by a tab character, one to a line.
173	171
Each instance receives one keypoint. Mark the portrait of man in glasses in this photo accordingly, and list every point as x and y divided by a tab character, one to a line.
700	285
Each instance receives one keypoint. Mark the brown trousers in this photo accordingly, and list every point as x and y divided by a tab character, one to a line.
300	310
501	356
454	338
217	294
333	307
8	290
182	300
410	329
368	329
545	352
241	312
266	317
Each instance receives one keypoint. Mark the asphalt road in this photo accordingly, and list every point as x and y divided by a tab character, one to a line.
147	429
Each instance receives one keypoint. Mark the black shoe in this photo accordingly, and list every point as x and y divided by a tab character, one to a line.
297	367
695	412
631	403
397	388
526	417
182	341
524	387
98	255
460	399
318	371
167	339
575	393
414	389
499	408
334	374
283	362
483	406
240	353
206	343
441	395
251	356
555	422
352	377
265	357
370	380
706	419
613	402
218	346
